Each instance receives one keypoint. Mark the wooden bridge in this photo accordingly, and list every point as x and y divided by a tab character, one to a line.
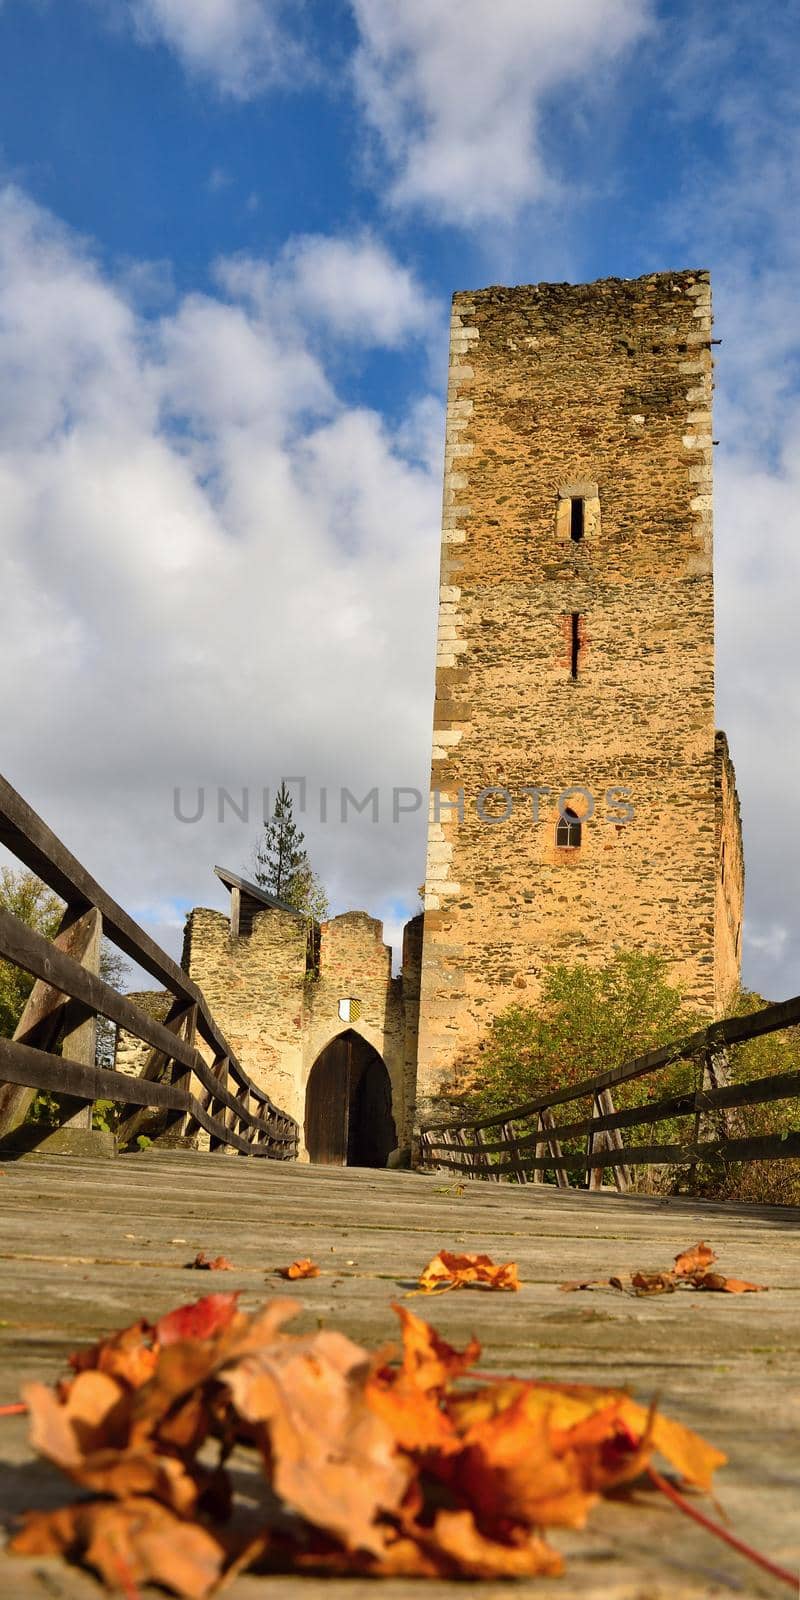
89	1244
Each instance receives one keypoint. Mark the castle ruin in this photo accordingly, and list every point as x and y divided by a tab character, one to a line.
575	667
582	799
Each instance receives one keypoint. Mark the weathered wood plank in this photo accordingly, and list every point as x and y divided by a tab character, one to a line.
86	1249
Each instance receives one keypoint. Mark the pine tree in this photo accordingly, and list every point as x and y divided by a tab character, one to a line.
282	866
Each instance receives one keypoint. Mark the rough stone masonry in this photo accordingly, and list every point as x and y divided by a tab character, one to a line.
576	652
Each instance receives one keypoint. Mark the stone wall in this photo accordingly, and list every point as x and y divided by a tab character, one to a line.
277	1000
571	662
255	990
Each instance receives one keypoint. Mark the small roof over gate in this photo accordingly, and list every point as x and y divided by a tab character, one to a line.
248	896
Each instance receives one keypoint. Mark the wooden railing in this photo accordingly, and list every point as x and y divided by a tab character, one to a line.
53	1048
526	1141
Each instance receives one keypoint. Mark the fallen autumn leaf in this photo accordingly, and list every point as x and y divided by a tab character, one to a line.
450	1271
203	1263
690	1271
374	1466
299	1269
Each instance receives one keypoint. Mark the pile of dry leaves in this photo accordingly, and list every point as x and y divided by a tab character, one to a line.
374	1463
692	1270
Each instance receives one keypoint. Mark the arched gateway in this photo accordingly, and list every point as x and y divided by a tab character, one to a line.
349	1105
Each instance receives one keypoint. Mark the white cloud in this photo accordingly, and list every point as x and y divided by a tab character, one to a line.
353	289
357	290
240	45
456	94
214	572
738	212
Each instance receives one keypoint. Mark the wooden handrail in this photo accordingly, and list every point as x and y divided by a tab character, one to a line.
730	1030
29	1062
456	1145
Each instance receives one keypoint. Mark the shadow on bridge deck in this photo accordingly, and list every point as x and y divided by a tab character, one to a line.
89	1246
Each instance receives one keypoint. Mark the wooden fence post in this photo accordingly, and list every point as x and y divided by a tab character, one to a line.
176	1127
606	1139
719	1123
595	1141
157	1069
220	1070
540	1151
622	1174
79	1039
510	1134
483	1164
554	1147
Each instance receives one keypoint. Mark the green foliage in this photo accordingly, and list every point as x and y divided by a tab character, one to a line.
44	1110
105	1115
142	1141
26	897
587	1020
282	866
759	1182
590	1019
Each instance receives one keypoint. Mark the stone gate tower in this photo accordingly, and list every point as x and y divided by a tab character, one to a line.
576	653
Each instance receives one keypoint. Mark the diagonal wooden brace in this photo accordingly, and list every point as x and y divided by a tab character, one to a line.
50	1015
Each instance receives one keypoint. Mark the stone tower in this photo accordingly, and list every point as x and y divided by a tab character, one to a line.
576	653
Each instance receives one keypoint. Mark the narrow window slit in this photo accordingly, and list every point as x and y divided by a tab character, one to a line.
575	643
576	520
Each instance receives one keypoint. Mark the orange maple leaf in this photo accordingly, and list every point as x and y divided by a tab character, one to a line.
304	1268
695	1260
689	1272
722	1285
384	1466
142	1540
448	1270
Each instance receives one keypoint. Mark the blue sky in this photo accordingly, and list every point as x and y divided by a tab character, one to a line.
229	230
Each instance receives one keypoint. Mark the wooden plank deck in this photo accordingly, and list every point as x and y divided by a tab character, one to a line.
87	1246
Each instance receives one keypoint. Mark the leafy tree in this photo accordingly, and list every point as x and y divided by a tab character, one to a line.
26	897
282	866
587	1020
592	1018
759	1182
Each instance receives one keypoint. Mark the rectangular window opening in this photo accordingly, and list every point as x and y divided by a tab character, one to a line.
576	520
575	643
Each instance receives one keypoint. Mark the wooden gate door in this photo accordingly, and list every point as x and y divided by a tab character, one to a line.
327	1104
349	1106
372	1131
